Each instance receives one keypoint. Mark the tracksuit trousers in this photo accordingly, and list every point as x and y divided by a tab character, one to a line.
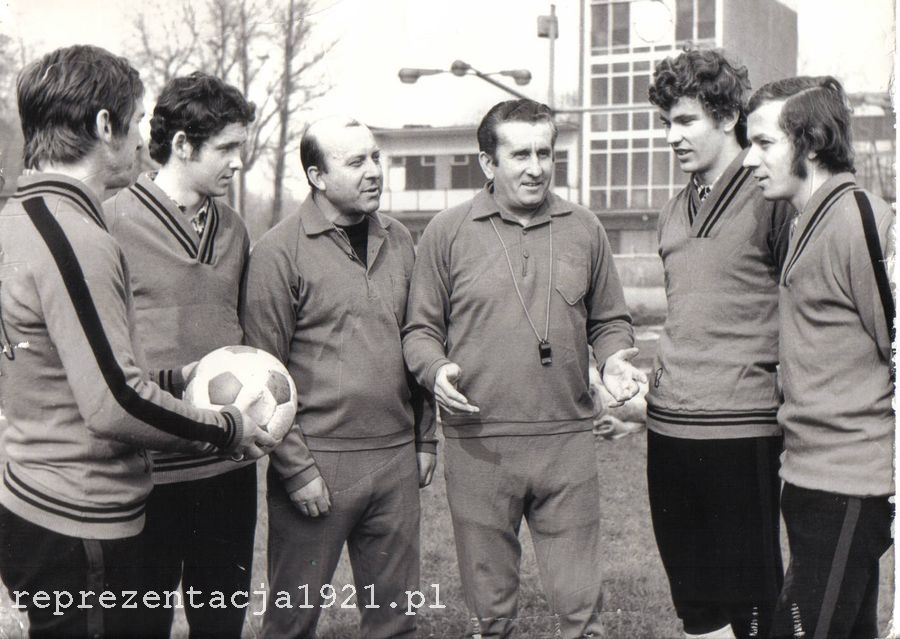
375	510
551	481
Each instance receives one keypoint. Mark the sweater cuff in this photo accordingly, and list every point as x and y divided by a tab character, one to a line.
233	418
301	479
431	372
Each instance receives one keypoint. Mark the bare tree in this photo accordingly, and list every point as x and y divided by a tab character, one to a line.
295	90
232	39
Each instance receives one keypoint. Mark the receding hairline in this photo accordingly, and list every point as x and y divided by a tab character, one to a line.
316	128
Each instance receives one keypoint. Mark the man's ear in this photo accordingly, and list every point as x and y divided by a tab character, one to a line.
314	175
181	147
729	122
104	126
487	164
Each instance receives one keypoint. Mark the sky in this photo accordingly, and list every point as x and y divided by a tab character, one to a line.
374	38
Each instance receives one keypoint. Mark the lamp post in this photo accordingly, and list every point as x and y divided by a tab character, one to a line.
410	75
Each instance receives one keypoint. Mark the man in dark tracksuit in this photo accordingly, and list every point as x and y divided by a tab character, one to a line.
836	314
326	293
509	292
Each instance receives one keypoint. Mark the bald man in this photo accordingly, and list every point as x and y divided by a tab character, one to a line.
326	294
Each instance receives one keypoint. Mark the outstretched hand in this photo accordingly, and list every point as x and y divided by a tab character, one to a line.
621	378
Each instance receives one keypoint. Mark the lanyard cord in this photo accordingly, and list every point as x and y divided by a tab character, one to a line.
516	284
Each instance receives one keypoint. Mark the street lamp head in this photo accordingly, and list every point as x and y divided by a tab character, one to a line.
409	75
521	76
460	68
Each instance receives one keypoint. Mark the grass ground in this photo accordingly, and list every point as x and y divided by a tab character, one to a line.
636	596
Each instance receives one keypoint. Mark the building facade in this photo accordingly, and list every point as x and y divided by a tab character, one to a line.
428	169
630	170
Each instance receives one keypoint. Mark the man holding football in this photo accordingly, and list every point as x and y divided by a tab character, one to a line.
188	251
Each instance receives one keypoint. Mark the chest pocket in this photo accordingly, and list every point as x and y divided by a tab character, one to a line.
571	277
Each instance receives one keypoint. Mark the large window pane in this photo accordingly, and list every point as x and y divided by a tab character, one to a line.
619	169
620	122
618	199
600	26
621	19
641	121
598	200
561	168
466	175
598	169
599	91
641	87
639	171
684	20
419	175
661	167
706	19
620	90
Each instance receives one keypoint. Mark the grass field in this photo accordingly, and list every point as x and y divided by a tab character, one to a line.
636	597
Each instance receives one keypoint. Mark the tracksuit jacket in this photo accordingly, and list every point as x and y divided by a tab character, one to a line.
835	350
463	308
335	323
79	406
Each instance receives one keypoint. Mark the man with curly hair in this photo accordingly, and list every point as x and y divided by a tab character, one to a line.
836	321
188	252
713	442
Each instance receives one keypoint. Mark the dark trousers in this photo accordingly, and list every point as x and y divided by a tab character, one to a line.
375	510
199	533
714	506
831	588
35	559
551	481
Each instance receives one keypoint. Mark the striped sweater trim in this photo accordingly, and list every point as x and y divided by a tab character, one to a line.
724	201
814	221
713	418
63	190
207	243
80	296
169	222
75	512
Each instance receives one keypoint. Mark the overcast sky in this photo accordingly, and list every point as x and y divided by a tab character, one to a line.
853	39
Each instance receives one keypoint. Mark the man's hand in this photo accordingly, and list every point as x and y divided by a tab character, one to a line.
621	378
187	370
313	499
426	463
256	442
445	391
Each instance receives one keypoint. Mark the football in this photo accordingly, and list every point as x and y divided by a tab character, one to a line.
224	374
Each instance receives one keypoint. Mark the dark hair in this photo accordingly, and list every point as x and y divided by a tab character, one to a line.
521	110
199	104
816	118
311	153
707	75
60	95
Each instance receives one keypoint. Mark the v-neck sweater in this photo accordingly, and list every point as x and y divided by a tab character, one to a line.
715	370
186	288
